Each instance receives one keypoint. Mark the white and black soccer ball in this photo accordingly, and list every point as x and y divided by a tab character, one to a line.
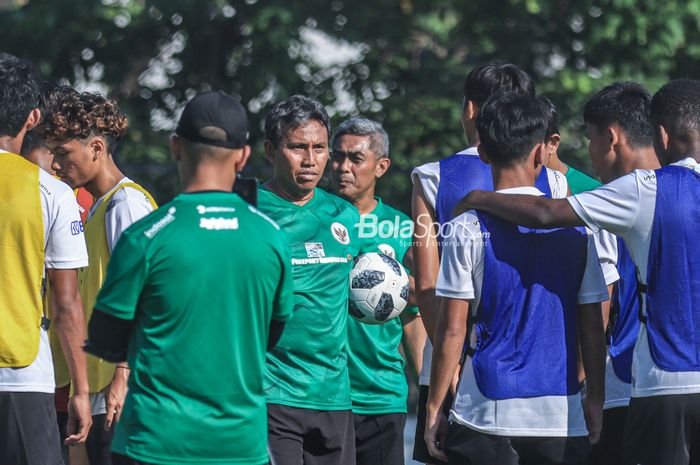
378	288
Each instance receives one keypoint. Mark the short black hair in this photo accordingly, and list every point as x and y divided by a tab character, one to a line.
290	113
510	125
32	141
552	117
625	104
676	106
496	76
19	93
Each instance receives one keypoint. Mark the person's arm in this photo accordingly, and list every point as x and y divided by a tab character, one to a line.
592	337
426	259
413	342
527	210
70	328
275	333
450	334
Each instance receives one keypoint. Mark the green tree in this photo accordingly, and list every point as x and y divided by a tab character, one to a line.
401	62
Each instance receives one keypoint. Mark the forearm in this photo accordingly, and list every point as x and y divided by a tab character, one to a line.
592	337
69	324
413	342
449	339
527	210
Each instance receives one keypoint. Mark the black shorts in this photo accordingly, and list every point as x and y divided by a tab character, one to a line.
608	450
379	438
420	450
28	429
99	442
467	446
299	436
663	430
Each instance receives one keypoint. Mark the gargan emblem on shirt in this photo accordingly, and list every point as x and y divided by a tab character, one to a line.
340	232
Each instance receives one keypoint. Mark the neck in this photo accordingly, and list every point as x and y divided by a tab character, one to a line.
366	203
642	159
209	177
10	144
518	175
556	164
297	198
106	179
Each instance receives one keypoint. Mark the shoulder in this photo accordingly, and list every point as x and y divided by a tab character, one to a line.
149	226
51	188
333	205
129	196
391	212
425	172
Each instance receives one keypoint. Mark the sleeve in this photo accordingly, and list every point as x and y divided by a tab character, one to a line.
125	208
125	279
65	244
428	176
456	276
593	288
606	246
284	295
613	207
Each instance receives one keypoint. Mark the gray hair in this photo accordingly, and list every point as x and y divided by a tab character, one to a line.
378	138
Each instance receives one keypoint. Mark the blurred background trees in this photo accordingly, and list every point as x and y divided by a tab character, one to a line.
401	62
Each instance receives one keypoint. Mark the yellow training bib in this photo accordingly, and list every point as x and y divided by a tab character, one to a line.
21	261
100	372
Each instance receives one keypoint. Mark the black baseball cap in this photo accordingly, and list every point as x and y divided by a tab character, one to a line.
214	118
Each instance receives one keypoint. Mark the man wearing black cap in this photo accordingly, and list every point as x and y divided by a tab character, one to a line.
195	325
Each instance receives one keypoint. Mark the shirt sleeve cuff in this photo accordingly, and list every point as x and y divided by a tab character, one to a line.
66	264
450	294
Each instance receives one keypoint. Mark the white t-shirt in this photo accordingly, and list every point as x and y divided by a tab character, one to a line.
126	207
626	207
64	248
461	277
428	176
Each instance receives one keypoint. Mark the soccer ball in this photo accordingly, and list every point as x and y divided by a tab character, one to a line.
378	289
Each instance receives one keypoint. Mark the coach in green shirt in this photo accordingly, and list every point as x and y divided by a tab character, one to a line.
195	290
306	379
359	157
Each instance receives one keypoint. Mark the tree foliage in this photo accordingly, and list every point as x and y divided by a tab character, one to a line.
401	62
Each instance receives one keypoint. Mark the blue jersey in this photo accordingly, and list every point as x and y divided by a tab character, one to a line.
673	274
624	310
526	319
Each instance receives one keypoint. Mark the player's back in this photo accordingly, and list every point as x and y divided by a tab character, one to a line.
527	309
212	269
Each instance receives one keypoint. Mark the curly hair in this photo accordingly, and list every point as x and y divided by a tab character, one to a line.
74	115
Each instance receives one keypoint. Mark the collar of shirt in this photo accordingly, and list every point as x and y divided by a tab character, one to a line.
469	151
3	151
688	163
528	190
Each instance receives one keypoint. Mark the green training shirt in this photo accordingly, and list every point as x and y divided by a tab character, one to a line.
580	181
201	277
376	367
308	366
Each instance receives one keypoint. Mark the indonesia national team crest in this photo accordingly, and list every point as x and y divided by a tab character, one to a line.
340	232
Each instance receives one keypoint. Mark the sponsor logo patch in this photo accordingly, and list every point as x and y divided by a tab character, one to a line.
76	227
314	250
217	224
